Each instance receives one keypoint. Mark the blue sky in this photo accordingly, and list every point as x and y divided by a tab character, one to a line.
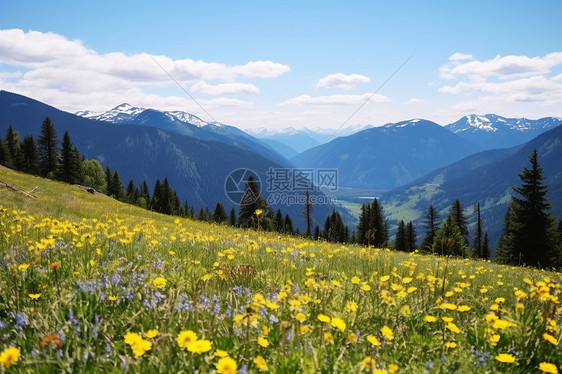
279	64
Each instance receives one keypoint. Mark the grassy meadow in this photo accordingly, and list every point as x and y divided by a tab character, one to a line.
88	284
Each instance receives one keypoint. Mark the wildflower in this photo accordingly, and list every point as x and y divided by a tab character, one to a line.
328	337
373	340
151	333
549	338
352	338
546	367
447	319
494	339
323	318
451	326
366	287
200	346
226	365
34	296
113	298
338	323
160	282
355	280
263	342
23	267
448	306
393	368
260	363
502	324
9	356
430	319
507	358
258	212
54	265
137	343
220	353
463	308
185	338
351	306
368	363
387	332
451	345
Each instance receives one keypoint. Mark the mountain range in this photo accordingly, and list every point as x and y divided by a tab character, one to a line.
486	177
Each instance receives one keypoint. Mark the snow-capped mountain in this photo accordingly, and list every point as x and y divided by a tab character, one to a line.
493	131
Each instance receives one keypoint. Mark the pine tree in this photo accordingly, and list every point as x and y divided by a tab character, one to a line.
400	241
334	228
30	163
449	240
219	214
68	167
47	147
13	146
308	214
288	225
3	153
108	177
377	224
477	242
363	225
251	201
130	192
431	224
317	233
485	247
278	222
460	219
117	186
531	236
232	219
411	237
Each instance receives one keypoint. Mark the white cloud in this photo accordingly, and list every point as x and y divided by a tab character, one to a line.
460	56
342	80
68	74
224	88
415	100
507	67
336	99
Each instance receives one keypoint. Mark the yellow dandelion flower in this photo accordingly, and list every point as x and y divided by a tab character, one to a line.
263	342
451	345
324	318
393	368
200	346
9	356
502	324
151	333
226	365
355	280
351	306
368	363
160	282
220	353
366	287
34	296
506	358
463	308
447	319
352	338
339	324
387	332
448	306
452	327
23	267
328	337
113	298
429	318
185	338
373	340
546	367
304	329
261	364
549	338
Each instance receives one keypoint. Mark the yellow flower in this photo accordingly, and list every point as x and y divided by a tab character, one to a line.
546	367
352	338
185	338
494	339
379	371
338	323
451	345
200	346
220	353
387	332
226	365
258	212
140	347
355	280
304	329
132	337
323	318
351	306
260	363
373	340
328	337
151	333
34	296
549	338
366	287
300	316
368	363
463	308
451	326
54	265
9	356
507	358
263	342
502	324
23	267
113	298
393	368
430	319
448	306
160	282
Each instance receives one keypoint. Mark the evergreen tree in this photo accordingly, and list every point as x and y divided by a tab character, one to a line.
232	219
460	219
47	147
308	214
13	146
108	177
363	225
411	237
278	222
485	247
431	225
377	224
477	242
449	240
30	163
334	228
400	241
219	214
68	167
531	237
288	224
317	233
251	201
3	153
130	192
117	186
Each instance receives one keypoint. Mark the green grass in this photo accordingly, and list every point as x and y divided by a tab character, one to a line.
98	270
